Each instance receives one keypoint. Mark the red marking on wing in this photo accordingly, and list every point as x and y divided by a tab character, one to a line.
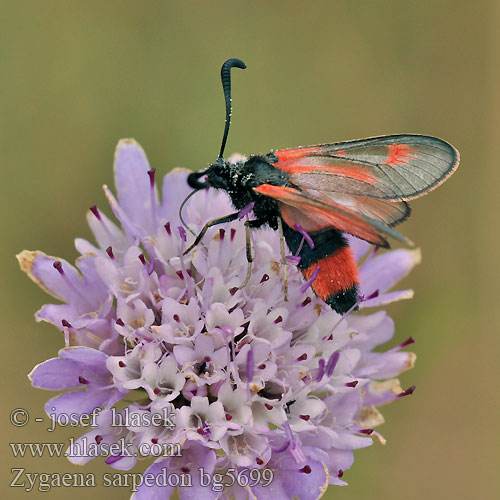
398	153
299	161
323	214
346	170
286	155
338	272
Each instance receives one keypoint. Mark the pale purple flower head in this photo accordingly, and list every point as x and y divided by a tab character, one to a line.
241	382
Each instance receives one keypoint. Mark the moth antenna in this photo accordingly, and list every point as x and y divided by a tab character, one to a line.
225	75
182	206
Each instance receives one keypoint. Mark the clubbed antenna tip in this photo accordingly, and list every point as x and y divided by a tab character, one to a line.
225	74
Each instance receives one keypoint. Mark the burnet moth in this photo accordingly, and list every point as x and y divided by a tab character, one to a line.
314	194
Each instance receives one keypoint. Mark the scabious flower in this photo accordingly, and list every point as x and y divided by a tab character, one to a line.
247	385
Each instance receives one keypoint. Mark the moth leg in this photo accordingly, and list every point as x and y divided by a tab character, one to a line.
209	224
283	259
249	253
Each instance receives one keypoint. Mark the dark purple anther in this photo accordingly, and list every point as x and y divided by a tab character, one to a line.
332	363
306	469
307	301
233	232
182	233
58	266
264	278
408	391
408	341
83	380
180	274
302	357
354	383
340	473
66	324
372	295
366	431
110	253
143	259
310	281
204	430
222	233
151	174
120	322
95	211
167	228
279	319
305	234
246	210
233	290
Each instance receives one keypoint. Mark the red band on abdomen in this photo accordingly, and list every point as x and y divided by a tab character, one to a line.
338	272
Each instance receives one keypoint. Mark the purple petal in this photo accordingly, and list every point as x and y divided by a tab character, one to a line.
154	492
343	407
123	463
382	392
133	183
194	457
385	365
81	402
184	354
73	365
359	247
292	480
373	330
387	298
91	357
131	230
83	246
40	268
106	233
345	440
382	272
175	188
55	313
56	374
200	457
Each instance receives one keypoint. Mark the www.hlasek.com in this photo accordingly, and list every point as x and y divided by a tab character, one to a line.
84	447
44	482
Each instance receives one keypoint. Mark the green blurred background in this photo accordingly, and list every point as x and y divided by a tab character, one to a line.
78	76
